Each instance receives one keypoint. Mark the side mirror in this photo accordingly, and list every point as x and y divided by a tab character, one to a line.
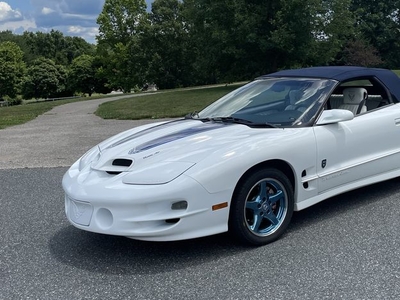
335	116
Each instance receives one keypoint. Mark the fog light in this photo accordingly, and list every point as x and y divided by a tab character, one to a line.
179	205
104	218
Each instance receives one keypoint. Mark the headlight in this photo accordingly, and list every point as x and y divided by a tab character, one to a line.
89	157
159	173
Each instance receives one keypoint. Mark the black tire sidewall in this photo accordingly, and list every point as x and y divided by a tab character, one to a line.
237	223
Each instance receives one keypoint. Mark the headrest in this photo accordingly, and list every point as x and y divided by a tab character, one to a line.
354	95
295	96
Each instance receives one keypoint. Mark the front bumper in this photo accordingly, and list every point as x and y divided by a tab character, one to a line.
98	202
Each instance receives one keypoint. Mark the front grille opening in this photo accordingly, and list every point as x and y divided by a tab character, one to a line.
172	221
121	162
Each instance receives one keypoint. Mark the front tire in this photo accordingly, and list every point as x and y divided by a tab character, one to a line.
261	207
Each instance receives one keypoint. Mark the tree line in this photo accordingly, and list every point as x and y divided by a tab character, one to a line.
192	42
43	65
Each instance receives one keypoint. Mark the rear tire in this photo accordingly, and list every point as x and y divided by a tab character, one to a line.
261	207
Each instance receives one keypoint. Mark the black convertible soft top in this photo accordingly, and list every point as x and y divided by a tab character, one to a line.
344	73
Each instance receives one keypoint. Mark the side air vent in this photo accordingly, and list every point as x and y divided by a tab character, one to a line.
304	174
122	162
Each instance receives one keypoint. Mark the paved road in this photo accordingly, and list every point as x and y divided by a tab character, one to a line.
344	248
347	247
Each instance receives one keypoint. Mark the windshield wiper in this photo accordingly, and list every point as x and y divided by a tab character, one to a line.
243	122
195	116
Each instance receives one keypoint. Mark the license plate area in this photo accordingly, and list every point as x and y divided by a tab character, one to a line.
79	212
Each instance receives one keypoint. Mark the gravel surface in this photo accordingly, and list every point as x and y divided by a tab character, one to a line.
60	136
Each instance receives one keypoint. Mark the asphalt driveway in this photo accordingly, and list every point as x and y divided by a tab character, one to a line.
58	137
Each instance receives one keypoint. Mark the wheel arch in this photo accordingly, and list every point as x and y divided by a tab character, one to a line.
238	224
278	164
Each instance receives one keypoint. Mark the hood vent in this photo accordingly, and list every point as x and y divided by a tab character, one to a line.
118	166
122	162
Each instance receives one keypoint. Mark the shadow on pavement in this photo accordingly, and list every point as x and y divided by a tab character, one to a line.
122	256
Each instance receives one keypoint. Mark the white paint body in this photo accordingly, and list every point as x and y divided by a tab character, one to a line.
204	169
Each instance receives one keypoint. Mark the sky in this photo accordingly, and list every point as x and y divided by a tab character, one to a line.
71	17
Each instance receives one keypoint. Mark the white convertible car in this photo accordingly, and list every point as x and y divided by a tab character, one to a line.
279	144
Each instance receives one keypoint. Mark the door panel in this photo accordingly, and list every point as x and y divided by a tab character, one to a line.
360	148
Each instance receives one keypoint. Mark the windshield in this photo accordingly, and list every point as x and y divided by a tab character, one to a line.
276	101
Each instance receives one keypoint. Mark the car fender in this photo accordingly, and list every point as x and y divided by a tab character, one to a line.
223	169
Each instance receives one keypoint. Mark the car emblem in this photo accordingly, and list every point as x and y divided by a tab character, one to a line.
76	211
323	163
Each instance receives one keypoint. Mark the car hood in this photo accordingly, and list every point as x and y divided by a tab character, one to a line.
176	141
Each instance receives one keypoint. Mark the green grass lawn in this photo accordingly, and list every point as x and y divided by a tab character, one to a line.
168	104
14	115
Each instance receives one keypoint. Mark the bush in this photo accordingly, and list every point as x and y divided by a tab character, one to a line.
12	101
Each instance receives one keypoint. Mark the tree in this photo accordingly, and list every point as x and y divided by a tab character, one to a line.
124	66
53	45
102	81
77	46
167	42
44	79
12	69
82	74
360	53
212	35
121	25
291	35
236	40
378	24
120	20
379	27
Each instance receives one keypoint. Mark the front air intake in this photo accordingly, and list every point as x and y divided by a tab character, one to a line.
121	162
118	166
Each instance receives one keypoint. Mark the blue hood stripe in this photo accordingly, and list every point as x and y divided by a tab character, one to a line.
146	131
175	136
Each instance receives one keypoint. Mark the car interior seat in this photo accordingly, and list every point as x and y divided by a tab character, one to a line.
294	101
354	100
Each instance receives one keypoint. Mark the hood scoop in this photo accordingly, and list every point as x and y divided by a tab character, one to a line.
115	166
122	162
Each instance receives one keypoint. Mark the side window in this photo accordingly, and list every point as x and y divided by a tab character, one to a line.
345	95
